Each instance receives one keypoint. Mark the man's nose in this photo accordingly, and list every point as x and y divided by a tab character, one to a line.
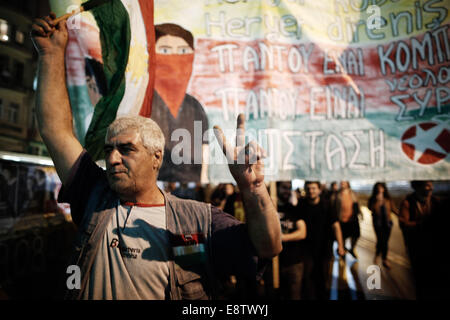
114	157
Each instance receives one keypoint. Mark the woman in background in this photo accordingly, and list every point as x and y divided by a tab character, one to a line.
381	206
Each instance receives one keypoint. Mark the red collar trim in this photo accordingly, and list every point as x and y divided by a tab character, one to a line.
144	205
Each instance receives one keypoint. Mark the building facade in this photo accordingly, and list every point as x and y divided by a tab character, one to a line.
18	65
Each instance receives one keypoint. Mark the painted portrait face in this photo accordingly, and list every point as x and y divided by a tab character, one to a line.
173	68
172	45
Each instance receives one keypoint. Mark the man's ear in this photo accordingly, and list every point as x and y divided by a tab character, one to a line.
158	160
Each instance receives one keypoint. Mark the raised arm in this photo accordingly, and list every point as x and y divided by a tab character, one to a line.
53	110
247	168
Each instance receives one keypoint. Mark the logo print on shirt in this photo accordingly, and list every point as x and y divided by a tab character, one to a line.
131	253
114	243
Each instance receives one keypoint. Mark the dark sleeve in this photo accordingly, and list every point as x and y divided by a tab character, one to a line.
233	251
229	204
300	212
84	175
332	214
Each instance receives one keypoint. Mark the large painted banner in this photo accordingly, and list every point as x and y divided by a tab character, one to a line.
332	89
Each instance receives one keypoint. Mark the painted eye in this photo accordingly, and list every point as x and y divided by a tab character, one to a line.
184	50
165	50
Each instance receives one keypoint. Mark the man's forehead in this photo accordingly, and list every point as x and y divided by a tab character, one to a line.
130	136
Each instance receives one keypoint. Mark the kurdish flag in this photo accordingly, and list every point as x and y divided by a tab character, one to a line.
109	64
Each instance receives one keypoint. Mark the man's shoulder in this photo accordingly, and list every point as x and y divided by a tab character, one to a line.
216	212
87	190
187	202
220	219
86	170
409	199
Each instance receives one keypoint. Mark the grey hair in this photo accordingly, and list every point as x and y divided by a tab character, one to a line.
150	133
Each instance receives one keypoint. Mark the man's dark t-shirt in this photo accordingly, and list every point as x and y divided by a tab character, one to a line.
190	115
319	220
293	251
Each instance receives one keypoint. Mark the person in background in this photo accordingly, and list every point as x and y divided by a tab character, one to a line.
200	192
229	189
323	227
219	197
292	257
298	194
381	206
332	192
184	191
170	187
347	208
418	214
233	204
324	189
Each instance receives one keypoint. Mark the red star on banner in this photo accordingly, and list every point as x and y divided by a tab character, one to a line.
426	142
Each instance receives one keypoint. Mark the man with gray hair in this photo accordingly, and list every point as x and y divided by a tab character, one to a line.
134	241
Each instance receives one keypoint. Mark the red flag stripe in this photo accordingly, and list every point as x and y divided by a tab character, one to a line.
147	14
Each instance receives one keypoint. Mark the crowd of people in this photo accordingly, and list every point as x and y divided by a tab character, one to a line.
314	217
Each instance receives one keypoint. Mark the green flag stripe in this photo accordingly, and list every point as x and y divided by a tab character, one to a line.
115	36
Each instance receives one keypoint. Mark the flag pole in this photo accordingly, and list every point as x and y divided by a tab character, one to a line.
84	7
68	15
275	260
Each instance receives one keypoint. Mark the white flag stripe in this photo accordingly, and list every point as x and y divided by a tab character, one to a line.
136	76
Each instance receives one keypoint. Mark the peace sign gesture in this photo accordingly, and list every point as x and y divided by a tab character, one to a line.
244	161
247	168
